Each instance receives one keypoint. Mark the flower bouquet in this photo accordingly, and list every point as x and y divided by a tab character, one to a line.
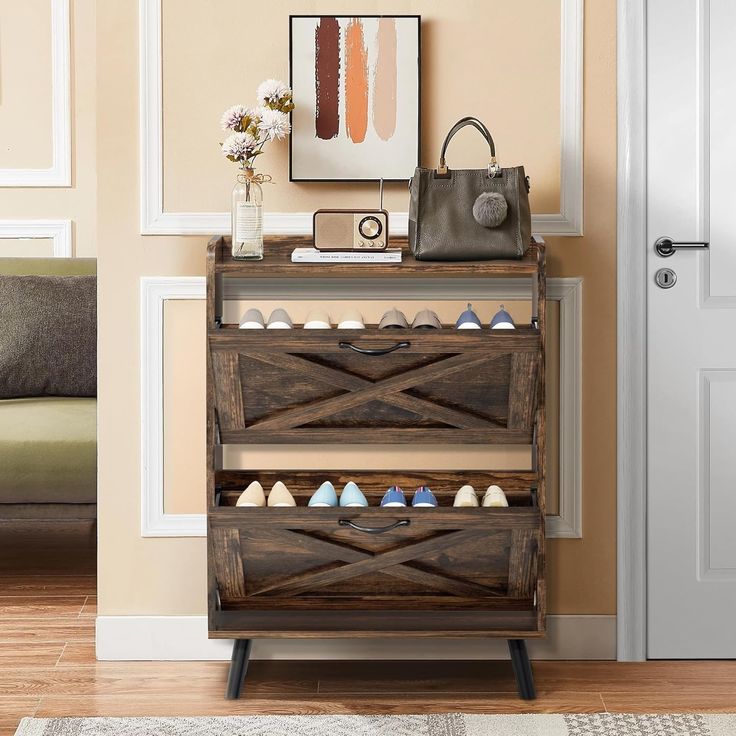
251	129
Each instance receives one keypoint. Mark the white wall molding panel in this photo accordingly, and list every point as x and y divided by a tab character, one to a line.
58	231
154	221
156	290
60	172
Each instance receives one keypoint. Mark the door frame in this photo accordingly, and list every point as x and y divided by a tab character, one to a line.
631	259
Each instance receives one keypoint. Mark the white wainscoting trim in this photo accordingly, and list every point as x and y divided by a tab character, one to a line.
154	221
59	231
155	291
60	172
184	638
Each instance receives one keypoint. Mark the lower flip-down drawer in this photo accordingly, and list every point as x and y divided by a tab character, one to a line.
481	564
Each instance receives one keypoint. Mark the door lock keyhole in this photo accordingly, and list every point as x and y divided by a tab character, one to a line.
666	278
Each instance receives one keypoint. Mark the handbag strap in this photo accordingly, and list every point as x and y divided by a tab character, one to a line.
493	167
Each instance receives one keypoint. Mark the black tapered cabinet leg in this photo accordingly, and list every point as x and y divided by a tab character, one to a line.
522	669
238	668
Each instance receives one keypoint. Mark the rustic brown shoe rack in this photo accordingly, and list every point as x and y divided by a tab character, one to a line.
375	572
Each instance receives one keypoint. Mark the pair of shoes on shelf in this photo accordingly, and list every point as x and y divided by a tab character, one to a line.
254	495
253	320
425	319
326	496
317	319
469	320
350	319
466	497
423	498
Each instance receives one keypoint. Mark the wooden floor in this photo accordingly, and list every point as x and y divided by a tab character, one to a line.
48	667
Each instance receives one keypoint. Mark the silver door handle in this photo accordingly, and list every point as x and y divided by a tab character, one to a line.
666	247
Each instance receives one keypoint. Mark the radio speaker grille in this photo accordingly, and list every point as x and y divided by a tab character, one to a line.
334	230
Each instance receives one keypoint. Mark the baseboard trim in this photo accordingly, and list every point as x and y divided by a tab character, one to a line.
183	638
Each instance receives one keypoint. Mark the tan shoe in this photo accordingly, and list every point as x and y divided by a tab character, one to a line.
317	319
495	497
253	495
392	319
280	496
426	319
279	320
466	497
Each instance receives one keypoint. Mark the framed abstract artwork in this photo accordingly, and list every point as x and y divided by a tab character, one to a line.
356	83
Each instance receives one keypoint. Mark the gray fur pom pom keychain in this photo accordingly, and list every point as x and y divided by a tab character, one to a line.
490	209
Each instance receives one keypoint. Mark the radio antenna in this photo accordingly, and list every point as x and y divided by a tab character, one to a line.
380	193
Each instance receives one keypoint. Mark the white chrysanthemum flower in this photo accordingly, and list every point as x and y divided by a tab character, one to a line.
239	145
271	91
232	116
274	124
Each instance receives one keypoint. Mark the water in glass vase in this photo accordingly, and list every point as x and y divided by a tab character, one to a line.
247	217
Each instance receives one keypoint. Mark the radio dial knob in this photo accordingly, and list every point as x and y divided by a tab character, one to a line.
370	227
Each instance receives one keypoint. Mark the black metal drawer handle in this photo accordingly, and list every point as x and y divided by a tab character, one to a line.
374	529
374	351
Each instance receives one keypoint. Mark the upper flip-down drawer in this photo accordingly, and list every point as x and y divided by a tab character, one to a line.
377	386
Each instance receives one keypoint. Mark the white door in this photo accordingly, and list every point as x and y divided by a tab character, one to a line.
691	74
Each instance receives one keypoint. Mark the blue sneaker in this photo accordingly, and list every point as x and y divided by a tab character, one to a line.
468	320
502	320
394	496
424	498
324	496
352	495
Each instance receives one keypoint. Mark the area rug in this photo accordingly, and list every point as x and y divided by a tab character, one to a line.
454	724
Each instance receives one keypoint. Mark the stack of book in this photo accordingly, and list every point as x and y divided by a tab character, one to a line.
312	255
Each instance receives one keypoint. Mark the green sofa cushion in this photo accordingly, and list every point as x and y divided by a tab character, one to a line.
48	266
48	450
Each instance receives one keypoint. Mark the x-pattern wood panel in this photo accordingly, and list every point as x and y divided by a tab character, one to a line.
361	562
361	391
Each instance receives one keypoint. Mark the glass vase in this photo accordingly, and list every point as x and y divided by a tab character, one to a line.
247	217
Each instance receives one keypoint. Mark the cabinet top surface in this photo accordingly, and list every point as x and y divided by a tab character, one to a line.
276	263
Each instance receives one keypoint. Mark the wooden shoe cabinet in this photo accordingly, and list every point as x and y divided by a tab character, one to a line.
375	572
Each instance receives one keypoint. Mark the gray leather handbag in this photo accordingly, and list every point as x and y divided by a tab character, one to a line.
469	214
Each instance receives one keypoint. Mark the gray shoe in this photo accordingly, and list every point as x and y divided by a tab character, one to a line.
392	319
279	320
426	320
252	320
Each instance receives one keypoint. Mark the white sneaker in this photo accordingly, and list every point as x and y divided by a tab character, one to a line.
253	495
351	319
495	497
466	497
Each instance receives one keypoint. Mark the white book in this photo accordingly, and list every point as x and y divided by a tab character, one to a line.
312	255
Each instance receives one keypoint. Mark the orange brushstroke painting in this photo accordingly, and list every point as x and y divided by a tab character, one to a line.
356	82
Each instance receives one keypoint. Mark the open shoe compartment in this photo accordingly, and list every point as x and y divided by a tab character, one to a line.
375	386
382	571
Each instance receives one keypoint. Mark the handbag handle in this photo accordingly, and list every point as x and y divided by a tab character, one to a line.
493	167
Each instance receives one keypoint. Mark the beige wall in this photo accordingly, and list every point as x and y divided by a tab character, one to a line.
25	84
206	67
26	248
25	119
